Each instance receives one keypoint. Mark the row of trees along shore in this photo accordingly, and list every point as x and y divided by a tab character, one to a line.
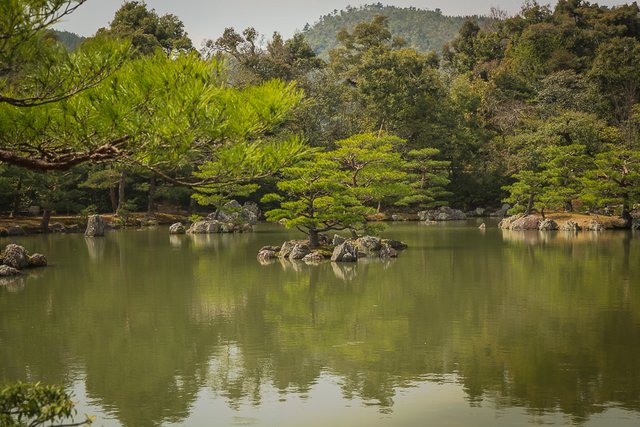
538	109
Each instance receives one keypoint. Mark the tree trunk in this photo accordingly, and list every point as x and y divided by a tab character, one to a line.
568	206
121	185
542	213
113	198
379	206
151	208
626	215
44	223
16	199
314	240
529	205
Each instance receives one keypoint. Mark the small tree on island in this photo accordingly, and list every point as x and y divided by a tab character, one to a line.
316	200
373	167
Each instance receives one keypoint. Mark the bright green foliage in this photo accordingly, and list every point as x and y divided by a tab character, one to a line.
153	109
524	191
427	177
34	68
33	405
372	165
147	30
562	173
316	200
615	180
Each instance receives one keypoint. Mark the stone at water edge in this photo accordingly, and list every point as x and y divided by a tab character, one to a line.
37	260
337	240
6	271
548	225
177	228
386	251
395	244
15	256
267	254
95	226
299	251
482	226
313	257
345	252
368	245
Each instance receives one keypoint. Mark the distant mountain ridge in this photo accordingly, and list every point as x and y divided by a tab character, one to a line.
70	40
424	30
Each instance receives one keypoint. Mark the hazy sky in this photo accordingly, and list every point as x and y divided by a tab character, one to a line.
208	18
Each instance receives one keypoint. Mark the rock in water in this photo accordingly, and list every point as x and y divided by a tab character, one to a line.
177	228
37	260
313	257
482	226
15	256
386	251
369	245
95	226
445	213
395	244
345	252
6	271
337	240
299	251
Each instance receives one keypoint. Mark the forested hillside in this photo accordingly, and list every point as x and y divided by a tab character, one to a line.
70	40
424	30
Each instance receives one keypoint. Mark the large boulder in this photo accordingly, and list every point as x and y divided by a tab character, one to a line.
6	271
268	253
313	257
37	260
368	245
528	222
287	247
387	251
299	251
444	213
177	228
337	240
548	225
345	252
15	256
635	226
95	226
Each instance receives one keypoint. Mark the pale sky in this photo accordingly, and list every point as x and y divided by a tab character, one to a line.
208	18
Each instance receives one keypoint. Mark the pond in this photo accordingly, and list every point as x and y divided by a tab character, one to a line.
466	327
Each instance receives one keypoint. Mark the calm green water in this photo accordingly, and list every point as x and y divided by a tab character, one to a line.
465	328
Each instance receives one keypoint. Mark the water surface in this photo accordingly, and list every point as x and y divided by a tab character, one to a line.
467	327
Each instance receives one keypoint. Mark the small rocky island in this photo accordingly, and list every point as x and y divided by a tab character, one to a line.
15	258
230	218
338	249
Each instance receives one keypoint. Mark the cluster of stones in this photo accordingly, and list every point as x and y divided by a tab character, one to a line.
339	249
231	218
15	258
532	222
444	213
